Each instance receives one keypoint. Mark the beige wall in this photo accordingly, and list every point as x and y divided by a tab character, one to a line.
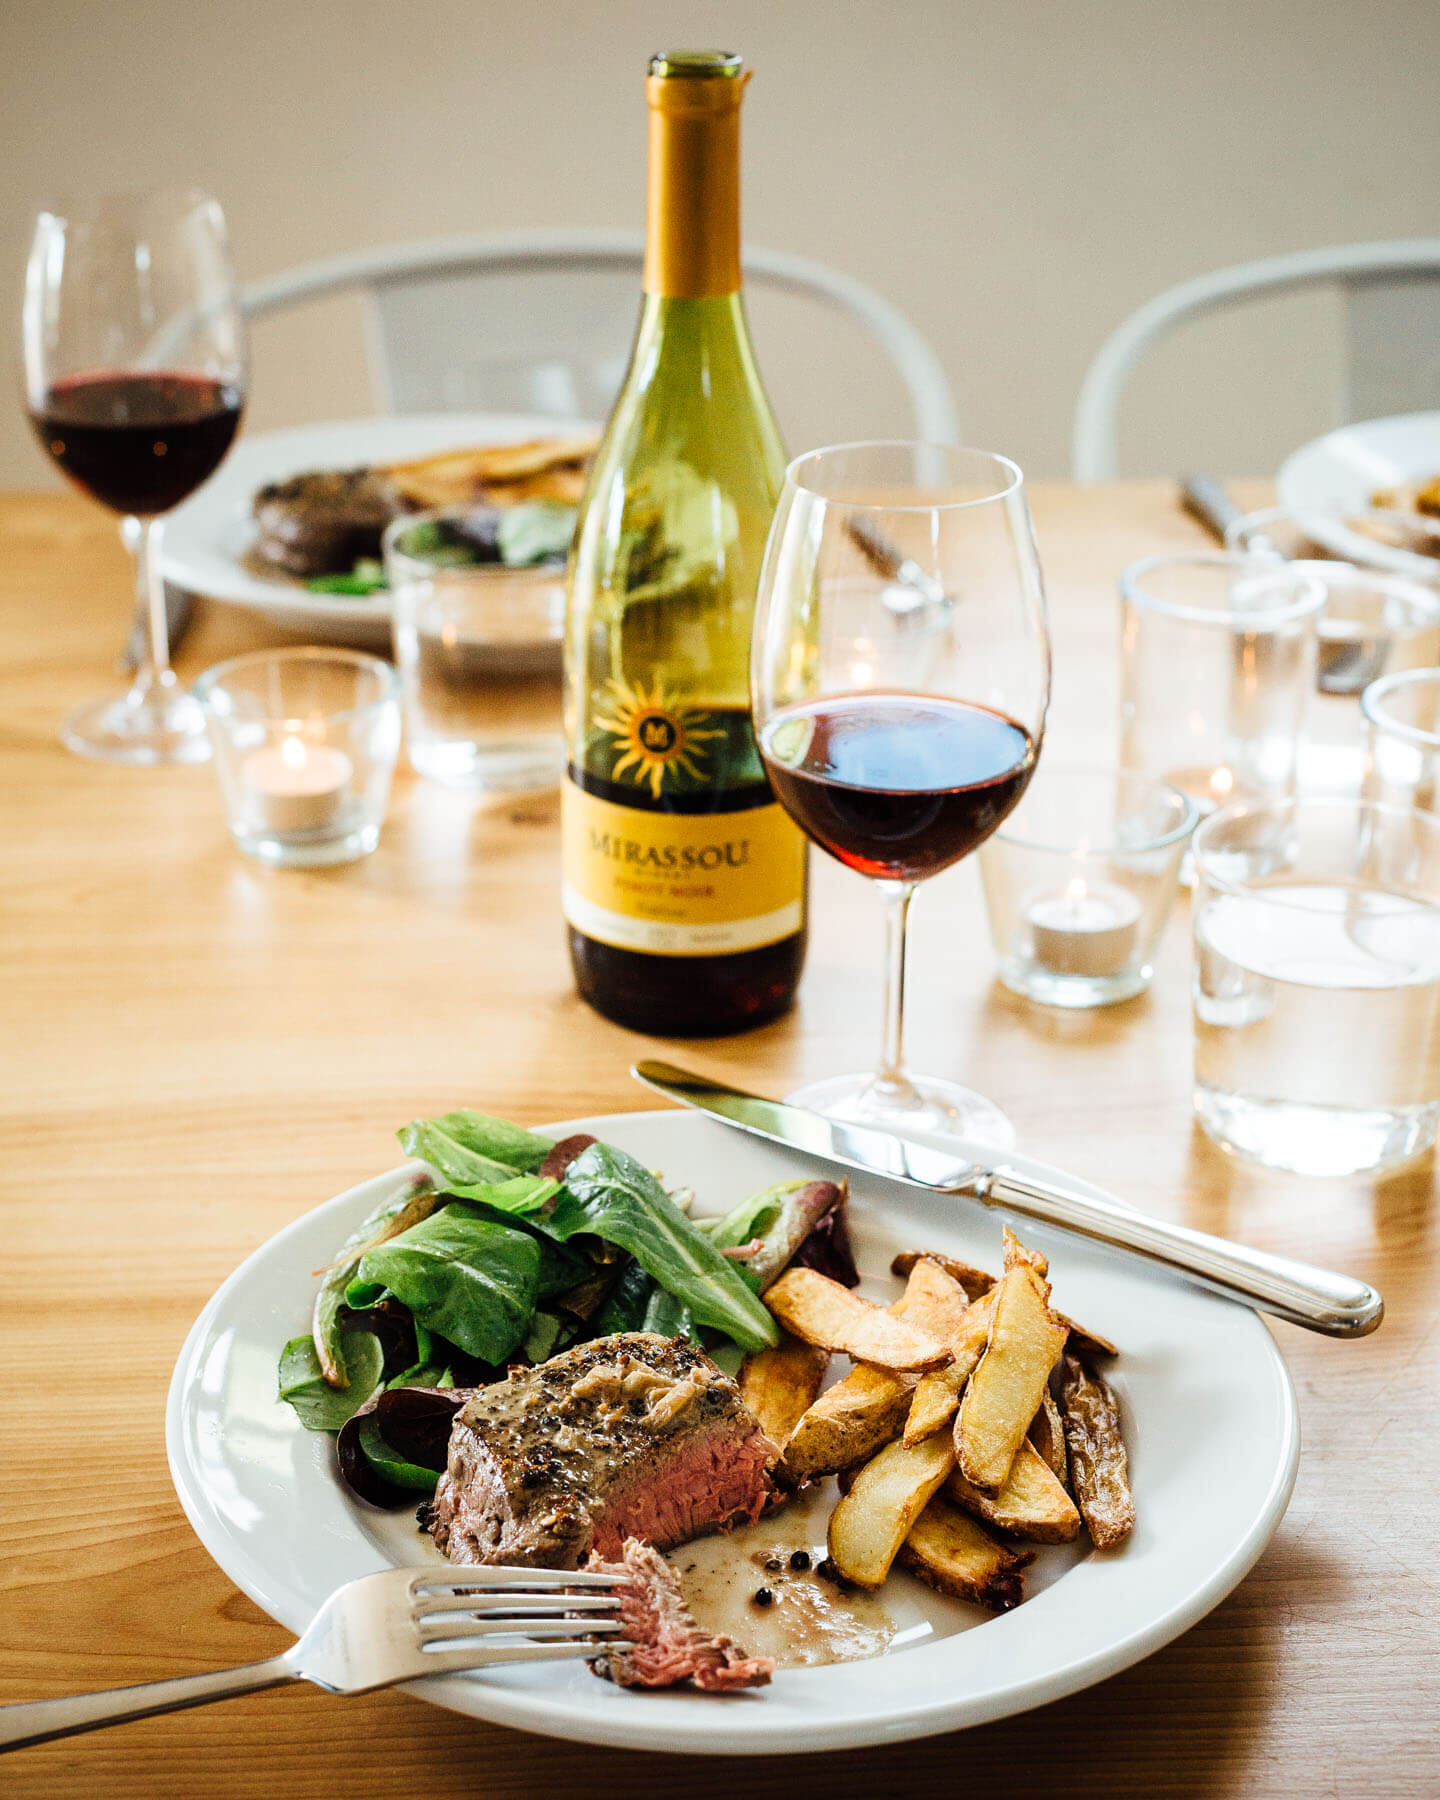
1016	176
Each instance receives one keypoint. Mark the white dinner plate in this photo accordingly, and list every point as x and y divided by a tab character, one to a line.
1341	472
1209	1418
205	541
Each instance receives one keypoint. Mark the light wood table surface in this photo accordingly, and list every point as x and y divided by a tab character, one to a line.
196	1049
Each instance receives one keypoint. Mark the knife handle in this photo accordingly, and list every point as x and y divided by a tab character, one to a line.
1204	499
1318	1299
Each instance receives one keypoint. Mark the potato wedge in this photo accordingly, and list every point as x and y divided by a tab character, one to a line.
1047	1434
1032	1504
974	1281
813	1307
1015	1253
1005	1392
780	1385
858	1415
977	1282
951	1553
888	1495
1098	1464
938	1393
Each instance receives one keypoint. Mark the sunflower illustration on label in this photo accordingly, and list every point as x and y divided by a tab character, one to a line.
656	739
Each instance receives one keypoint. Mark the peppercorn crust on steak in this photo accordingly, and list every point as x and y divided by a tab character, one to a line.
631	1436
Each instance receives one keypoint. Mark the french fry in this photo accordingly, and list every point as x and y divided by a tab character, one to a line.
938	1393
1032	1504
780	1385
1098	1464
888	1495
1005	1391
974	1281
1047	1434
977	1282
853	1419
822	1312
950	1552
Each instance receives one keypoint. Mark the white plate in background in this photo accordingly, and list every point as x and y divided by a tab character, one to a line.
1341	472
1210	1423
206	539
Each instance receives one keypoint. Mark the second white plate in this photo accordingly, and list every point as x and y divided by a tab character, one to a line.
1342	471
1209	1417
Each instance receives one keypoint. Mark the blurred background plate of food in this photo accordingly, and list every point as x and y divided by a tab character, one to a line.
1392	464
291	524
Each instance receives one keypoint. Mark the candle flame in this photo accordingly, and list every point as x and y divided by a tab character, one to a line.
292	753
1075	888
1222	781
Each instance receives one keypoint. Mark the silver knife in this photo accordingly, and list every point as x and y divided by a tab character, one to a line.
1337	1305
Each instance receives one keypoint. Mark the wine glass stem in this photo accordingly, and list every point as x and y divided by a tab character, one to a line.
154	671
890	1077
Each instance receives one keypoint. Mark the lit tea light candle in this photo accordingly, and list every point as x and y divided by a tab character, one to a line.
1087	930
1210	789
294	786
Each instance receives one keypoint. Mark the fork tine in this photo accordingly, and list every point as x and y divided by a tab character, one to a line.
492	1656
455	1631
431	1605
487	1579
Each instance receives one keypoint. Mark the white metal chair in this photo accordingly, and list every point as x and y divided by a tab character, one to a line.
542	321
1392	300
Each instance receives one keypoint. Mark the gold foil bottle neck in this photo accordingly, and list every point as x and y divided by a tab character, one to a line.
692	241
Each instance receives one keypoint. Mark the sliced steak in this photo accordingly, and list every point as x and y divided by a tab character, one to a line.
663	1646
633	1435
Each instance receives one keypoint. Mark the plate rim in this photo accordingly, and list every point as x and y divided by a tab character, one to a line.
550	1715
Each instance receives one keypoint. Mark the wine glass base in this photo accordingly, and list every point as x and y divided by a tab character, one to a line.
945	1109
165	727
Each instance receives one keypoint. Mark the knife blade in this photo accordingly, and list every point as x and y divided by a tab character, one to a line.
1318	1299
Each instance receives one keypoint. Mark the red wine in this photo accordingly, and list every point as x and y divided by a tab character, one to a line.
138	442
898	786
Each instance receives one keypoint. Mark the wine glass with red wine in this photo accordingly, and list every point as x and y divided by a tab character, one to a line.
899	679
135	375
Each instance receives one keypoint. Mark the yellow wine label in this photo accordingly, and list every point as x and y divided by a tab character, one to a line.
679	884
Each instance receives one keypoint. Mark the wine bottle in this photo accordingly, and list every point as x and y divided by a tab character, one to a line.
684	880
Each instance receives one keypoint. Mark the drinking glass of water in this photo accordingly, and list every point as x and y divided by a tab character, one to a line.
478	645
1317	984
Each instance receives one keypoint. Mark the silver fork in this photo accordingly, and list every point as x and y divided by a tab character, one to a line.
394	1626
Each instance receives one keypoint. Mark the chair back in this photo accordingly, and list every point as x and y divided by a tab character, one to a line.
543	321
1392	303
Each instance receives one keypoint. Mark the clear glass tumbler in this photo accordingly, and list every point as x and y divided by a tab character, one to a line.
1317	984
1079	883
1218	662
1374	620
1402	751
479	648
305	743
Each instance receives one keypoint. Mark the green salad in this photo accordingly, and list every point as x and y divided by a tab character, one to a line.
486	1259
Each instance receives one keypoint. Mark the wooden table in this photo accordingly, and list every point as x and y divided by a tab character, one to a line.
196	1049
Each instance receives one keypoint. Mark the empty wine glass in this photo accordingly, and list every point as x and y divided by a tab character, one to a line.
899	677
135	373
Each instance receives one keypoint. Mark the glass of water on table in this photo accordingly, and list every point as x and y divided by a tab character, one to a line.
478	643
1317	983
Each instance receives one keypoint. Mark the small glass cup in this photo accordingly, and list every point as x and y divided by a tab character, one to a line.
305	743
1218	661
1317	984
1374	621
479	647
1402	720
1079	883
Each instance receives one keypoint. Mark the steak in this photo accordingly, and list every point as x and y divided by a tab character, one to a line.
319	524
663	1646
633	1435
